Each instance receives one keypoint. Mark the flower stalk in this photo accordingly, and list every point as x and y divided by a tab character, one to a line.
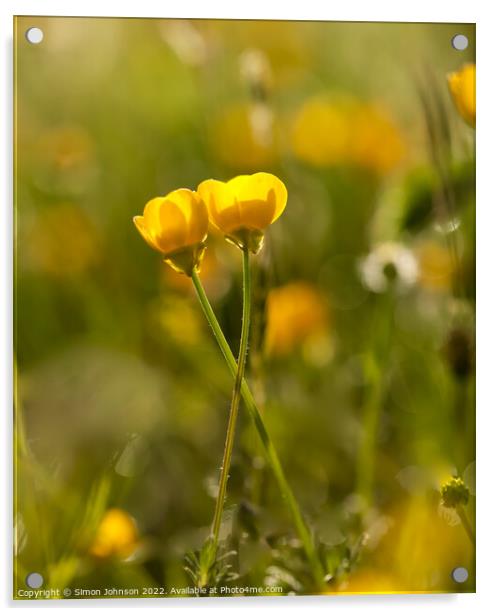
465	523
366	454
375	366
236	396
270	451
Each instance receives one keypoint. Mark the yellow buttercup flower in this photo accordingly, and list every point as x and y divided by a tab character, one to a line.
176	225
116	535
243	207
462	87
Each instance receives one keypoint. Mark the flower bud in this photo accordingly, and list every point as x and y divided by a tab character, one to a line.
454	493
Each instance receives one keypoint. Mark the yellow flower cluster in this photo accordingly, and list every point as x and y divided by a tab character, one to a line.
177	225
328	132
462	87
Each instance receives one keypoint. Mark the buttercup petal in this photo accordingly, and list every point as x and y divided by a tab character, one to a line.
262	198
195	213
173	227
184	198
198	221
222	205
139	222
151	217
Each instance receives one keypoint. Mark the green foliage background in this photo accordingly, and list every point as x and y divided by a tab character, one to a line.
121	393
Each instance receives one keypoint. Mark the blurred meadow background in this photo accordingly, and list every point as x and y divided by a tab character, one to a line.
361	349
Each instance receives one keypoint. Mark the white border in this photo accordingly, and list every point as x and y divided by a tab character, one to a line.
352	10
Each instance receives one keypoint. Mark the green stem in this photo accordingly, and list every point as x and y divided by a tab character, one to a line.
375	365
366	454
465	523
270	451
233	414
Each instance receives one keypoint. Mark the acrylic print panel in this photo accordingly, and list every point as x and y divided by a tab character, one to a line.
244	308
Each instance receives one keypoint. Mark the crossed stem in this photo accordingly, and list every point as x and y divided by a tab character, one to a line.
236	396
270	451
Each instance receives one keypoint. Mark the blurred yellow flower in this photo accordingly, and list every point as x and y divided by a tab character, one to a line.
62	241
371	580
423	547
116	535
376	143
297	316
66	147
321	132
328	132
462	87
436	267
243	207
176	225
244	136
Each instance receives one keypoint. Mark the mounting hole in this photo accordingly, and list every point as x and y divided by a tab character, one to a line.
460	575
34	35
34	580
459	42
